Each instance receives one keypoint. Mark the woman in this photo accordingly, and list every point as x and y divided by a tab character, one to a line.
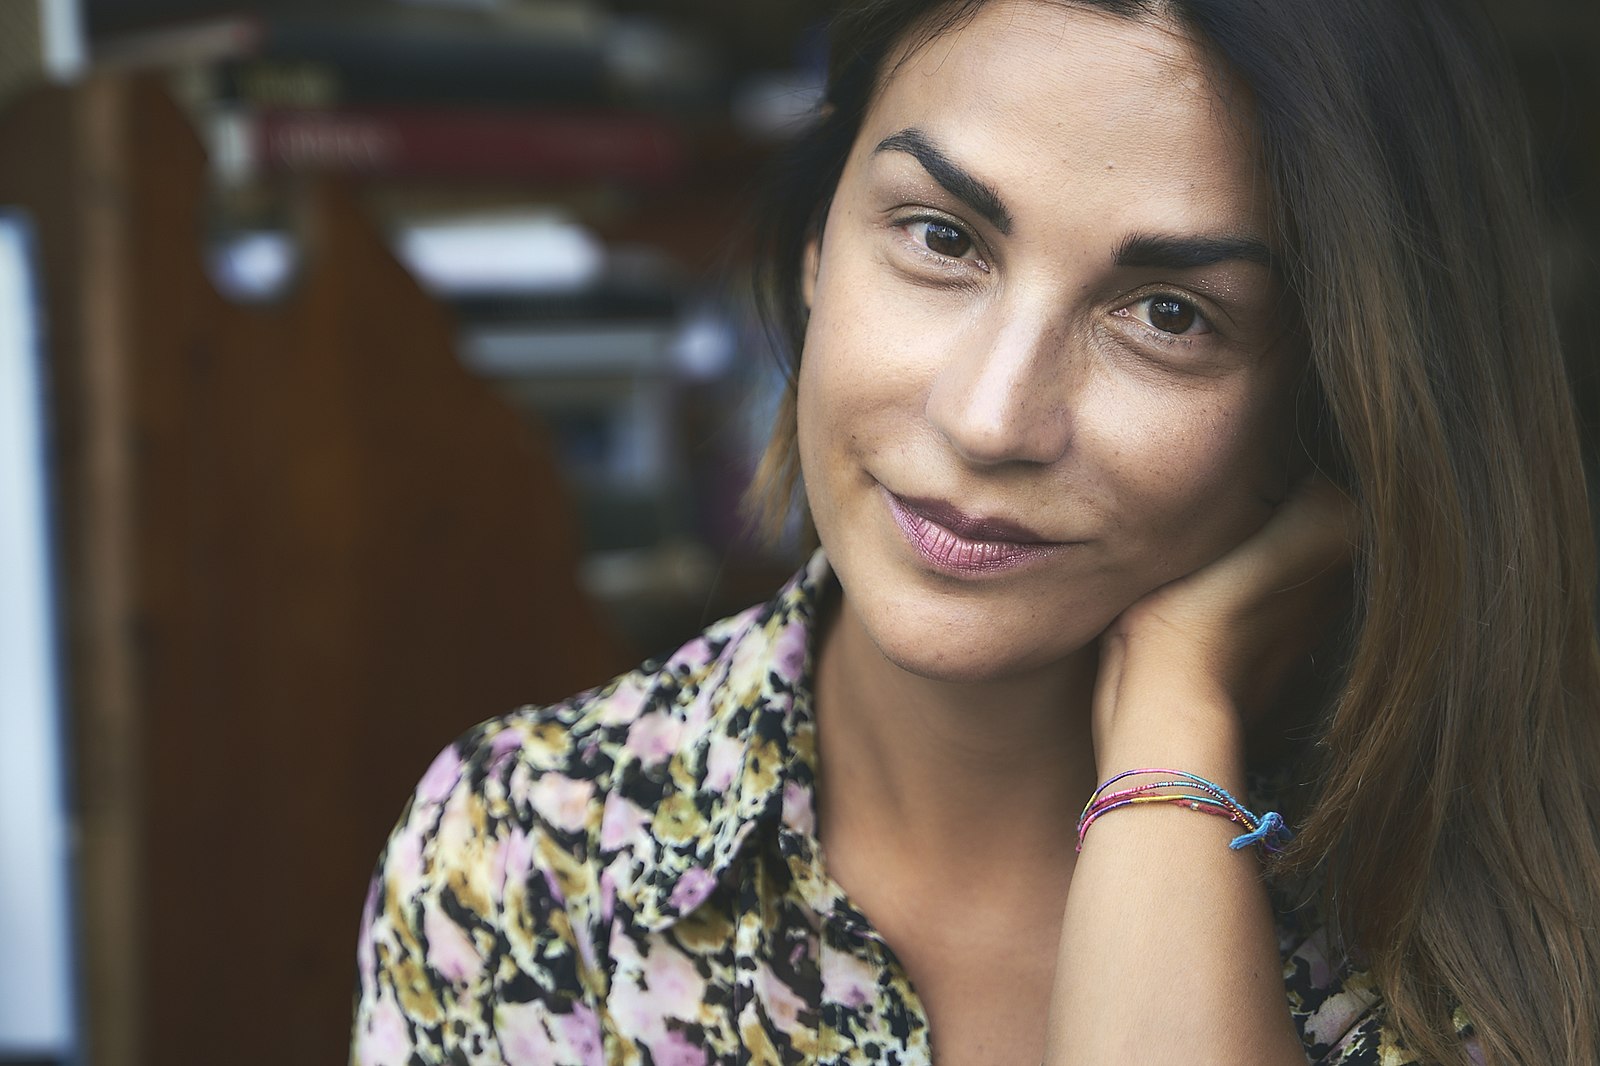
1095	304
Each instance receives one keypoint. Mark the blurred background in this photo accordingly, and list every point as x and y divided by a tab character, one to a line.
367	370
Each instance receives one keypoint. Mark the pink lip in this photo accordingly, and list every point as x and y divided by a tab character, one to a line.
959	543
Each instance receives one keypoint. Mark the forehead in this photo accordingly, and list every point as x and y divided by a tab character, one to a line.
1061	99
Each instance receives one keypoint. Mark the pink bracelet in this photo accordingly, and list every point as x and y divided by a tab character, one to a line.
1268	829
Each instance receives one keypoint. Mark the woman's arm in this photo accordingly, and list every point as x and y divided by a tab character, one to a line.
1168	951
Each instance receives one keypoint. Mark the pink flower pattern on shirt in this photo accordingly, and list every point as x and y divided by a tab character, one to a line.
632	877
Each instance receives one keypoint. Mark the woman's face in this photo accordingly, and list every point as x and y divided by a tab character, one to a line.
1044	372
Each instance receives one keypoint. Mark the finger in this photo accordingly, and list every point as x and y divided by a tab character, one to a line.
1318	526
1312	533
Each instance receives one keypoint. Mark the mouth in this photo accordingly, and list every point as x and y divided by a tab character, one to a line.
958	543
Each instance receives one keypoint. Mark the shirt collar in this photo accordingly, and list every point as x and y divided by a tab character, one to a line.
737	702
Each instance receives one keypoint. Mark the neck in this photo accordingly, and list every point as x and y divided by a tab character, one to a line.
943	772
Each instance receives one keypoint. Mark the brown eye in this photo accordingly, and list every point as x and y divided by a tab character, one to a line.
1166	313
946	240
1172	316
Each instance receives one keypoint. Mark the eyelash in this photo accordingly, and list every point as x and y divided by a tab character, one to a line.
1162	336
938	259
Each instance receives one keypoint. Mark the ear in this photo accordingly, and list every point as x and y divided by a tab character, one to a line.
810	263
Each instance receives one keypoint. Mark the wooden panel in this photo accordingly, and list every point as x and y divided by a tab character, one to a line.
339	551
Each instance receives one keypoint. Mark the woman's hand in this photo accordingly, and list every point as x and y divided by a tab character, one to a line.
1199	659
1163	920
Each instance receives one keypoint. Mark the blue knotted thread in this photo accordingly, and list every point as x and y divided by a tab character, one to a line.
1270	828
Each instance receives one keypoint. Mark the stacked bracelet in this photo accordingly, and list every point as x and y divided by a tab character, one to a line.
1192	792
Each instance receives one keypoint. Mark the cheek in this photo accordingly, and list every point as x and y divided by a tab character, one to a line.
823	407
1192	474
863	373
829	414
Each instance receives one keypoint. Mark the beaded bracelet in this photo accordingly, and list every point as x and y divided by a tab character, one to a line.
1268	829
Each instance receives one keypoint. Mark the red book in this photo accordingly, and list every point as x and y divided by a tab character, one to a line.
466	143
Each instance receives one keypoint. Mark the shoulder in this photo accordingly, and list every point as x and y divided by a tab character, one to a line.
553	773
534	832
1337	1005
674	725
670	726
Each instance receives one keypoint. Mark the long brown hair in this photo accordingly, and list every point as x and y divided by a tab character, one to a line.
1454	814
1457	814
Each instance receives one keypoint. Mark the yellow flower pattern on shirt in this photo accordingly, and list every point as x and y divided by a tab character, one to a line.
633	877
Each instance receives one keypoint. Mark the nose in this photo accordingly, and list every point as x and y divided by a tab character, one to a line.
1004	393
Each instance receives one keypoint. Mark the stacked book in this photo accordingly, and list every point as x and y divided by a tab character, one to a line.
586	339
556	91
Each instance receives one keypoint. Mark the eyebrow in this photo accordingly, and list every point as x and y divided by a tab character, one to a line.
976	194
1168	252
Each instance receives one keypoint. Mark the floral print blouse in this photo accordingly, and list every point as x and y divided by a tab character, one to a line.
633	876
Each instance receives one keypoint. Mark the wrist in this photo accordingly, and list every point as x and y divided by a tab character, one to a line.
1182	727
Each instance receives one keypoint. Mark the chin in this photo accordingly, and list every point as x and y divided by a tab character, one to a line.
972	651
